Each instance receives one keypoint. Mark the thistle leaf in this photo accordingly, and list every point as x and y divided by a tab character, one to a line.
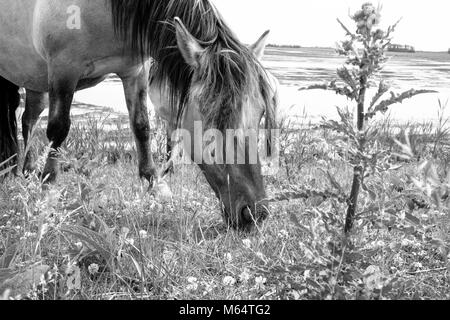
384	105
91	239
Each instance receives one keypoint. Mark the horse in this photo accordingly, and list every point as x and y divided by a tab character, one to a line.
61	46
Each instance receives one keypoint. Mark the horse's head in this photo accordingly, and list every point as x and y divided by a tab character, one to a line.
228	96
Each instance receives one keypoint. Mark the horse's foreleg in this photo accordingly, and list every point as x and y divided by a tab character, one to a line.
34	105
136	88
62	85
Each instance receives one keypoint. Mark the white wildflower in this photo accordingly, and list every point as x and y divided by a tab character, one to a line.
247	243
229	281
260	282
245	276
93	268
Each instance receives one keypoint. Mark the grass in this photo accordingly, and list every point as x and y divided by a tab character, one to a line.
99	234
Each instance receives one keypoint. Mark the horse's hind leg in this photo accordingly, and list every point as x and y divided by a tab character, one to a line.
34	105
62	85
9	102
135	85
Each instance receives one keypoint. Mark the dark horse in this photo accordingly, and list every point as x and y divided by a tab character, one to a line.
60	46
9	101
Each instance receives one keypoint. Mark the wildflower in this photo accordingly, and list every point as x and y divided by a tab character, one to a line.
29	235
208	289
378	35
93	269
260	255
44	229
367	17
129	242
193	284
247	243
229	281
79	245
295	295
245	276
406	242
143	234
260	282
125	231
228	257
417	265
347	45
168	256
373	278
307	274
283	234
368	9
381	244
6	295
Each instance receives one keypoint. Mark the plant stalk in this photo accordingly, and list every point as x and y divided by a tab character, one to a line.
358	174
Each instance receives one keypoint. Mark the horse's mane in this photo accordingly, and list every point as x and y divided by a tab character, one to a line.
230	71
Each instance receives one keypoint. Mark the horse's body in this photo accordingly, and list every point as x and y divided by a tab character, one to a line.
211	77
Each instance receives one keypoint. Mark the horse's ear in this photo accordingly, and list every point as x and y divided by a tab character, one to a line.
188	45
259	46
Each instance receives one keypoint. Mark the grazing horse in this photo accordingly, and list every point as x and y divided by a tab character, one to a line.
60	46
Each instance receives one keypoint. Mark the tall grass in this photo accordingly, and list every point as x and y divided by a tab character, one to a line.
98	234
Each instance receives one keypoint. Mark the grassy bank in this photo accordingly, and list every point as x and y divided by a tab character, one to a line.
99	234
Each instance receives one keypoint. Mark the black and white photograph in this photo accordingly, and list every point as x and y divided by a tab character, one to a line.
224	155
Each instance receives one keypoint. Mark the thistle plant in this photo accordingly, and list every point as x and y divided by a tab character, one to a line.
365	52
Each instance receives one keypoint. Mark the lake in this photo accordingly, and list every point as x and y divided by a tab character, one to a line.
301	67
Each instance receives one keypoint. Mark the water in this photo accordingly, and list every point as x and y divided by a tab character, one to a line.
296	68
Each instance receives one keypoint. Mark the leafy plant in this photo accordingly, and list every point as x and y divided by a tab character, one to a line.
365	51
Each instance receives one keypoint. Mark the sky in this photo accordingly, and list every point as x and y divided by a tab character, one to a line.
425	24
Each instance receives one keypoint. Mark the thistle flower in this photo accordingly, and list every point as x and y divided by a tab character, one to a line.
368	8
378	35
366	18
347	45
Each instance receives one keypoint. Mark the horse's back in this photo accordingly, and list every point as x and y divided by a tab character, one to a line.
36	33
19	61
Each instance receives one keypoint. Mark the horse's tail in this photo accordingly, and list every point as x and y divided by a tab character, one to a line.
9	102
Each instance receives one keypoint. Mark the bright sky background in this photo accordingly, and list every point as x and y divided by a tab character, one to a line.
425	24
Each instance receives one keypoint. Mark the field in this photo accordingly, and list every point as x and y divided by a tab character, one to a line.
98	233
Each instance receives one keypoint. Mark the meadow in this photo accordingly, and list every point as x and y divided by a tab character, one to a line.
98	233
